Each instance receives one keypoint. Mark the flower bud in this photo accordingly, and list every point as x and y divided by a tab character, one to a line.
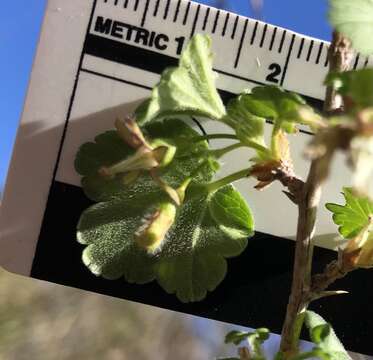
130	133
359	250
150	236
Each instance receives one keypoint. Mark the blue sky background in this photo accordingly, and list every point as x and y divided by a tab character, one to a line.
19	30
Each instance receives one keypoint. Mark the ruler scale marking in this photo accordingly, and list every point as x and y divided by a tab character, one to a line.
216	21
310	50
263	35
253	36
177	10
195	20
282	41
143	20
287	60
166	10
300	50
273	38
186	13
225	25
321	46
156	8
241	43
234	27
205	19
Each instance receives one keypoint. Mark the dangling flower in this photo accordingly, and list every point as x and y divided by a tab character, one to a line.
148	157
151	235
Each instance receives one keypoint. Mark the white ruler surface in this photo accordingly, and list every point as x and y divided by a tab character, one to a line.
97	59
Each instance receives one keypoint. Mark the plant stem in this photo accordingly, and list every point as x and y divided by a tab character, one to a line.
340	58
214	136
228	180
218	153
320	282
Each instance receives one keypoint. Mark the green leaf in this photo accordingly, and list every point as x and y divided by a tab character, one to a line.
323	335
108	148
356	85
354	19
189	261
236	337
188	89
230	211
249	127
319	333
138	233
355	223
255	340
273	103
353	216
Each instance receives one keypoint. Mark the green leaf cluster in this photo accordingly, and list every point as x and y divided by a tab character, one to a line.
207	228
248	113
158	215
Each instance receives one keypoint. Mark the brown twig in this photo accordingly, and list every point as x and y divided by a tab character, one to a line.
340	58
320	282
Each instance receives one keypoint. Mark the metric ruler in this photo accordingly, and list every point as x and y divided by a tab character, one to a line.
98	59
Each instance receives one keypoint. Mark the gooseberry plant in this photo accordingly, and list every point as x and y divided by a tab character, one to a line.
162	213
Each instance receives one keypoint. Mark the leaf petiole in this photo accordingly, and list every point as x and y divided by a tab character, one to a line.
214	136
228	180
218	153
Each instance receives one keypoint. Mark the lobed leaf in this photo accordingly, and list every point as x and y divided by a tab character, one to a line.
136	232
189	261
108	148
276	104
352	217
355	223
188	89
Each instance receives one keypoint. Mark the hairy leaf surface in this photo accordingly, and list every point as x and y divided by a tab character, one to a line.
191	159
273	103
189	261
249	127
188	89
